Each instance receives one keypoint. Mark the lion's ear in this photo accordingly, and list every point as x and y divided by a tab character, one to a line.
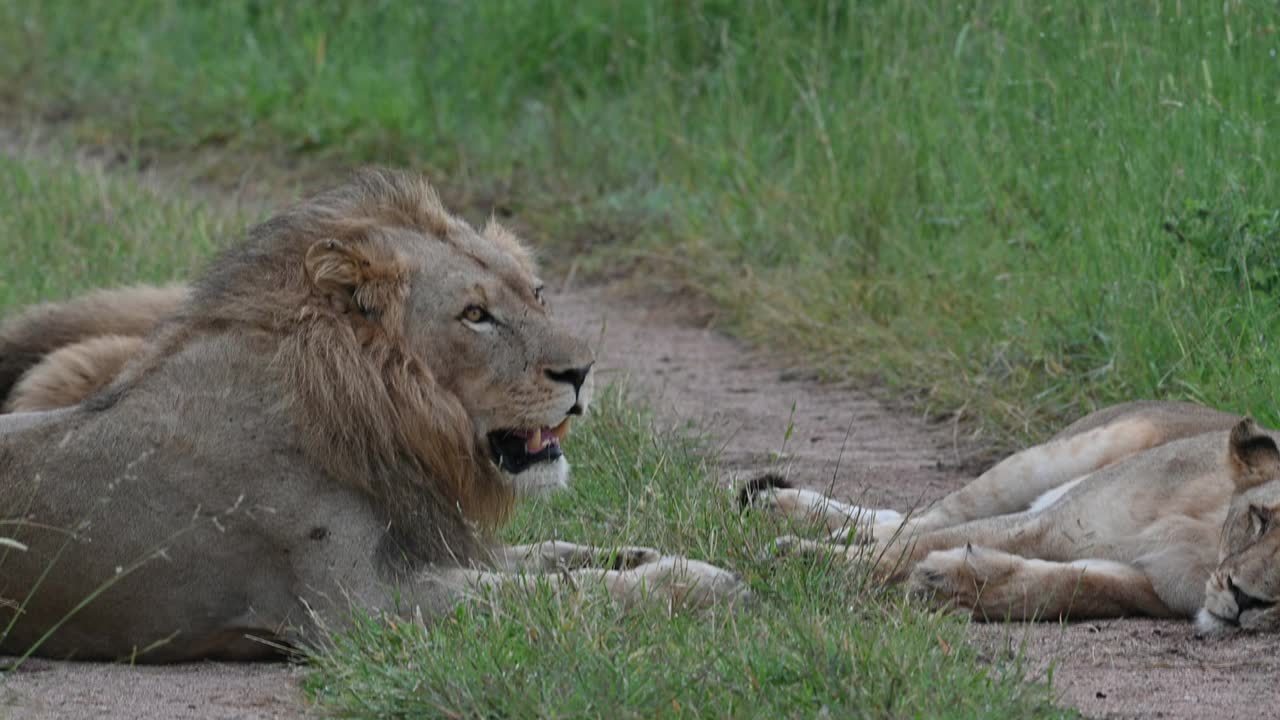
1254	457
338	271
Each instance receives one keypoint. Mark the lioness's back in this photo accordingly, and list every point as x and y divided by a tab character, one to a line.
1173	419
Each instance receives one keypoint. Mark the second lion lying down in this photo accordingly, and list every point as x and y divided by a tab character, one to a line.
1156	509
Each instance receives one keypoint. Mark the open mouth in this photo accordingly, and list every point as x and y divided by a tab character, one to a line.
515	450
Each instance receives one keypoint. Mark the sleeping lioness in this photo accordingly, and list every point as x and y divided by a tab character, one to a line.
1149	508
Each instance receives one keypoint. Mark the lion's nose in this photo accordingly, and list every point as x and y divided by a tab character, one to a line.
575	376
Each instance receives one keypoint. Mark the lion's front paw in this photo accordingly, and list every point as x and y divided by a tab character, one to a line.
684	583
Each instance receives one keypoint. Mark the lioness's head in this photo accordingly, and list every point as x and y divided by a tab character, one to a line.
1242	593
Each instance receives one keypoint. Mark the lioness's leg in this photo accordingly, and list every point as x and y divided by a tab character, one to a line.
553	555
1015	482
676	581
807	505
996	585
894	554
1009	487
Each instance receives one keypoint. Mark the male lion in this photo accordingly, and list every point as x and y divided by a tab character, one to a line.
1148	508
330	419
57	354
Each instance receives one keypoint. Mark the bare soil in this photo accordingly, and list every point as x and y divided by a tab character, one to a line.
763	415
47	690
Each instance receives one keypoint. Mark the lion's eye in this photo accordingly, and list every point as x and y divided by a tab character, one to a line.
476	314
537	294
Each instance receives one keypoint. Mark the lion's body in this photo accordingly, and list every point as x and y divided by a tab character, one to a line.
211	521
1122	513
331	418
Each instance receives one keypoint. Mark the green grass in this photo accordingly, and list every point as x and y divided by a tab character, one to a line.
66	228
819	638
969	198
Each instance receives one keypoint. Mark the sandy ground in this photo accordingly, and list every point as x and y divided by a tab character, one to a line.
842	441
45	690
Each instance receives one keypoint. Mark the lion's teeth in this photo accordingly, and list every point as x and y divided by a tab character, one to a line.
534	443
561	430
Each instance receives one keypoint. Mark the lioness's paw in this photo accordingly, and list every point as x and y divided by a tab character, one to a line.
958	576
628	557
793	546
684	583
782	547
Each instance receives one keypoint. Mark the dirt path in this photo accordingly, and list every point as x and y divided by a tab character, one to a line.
45	690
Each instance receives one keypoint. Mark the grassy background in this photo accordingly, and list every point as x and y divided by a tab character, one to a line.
1024	208
819	637
66	227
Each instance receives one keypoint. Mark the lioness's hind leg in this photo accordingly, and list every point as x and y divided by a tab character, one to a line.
996	585
777	497
1015	482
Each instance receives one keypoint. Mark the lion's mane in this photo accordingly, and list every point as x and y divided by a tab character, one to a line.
370	411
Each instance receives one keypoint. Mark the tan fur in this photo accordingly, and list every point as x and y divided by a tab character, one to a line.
309	431
37	331
37	335
73	373
1159	509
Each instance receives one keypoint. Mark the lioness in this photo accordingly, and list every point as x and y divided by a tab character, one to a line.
331	418
1148	508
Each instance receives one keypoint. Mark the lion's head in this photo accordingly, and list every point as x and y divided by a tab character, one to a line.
1243	592
417	355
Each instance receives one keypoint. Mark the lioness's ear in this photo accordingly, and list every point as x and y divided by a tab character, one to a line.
1253	455
338	271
